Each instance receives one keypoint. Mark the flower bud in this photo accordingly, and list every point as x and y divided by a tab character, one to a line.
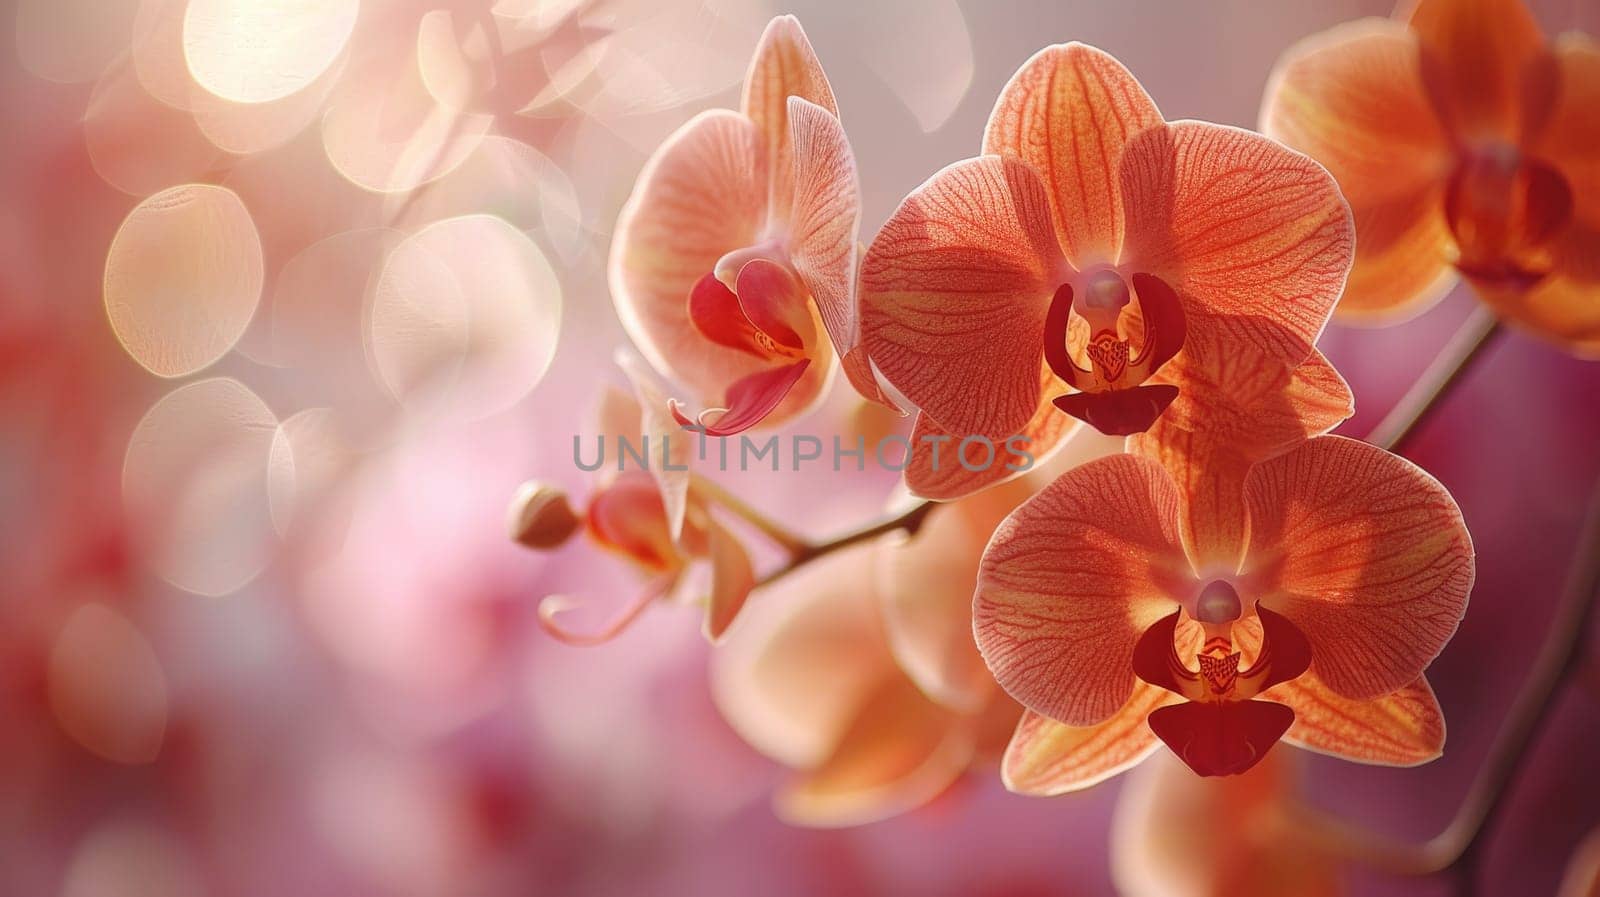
541	518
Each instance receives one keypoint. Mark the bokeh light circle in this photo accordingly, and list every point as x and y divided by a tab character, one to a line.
183	277
107	688
257	51
465	318
197	482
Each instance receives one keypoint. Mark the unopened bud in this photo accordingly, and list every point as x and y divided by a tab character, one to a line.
541	518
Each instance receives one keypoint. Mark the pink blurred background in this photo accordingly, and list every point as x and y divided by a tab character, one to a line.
299	655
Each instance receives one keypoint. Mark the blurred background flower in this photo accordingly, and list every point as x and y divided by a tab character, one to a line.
296	293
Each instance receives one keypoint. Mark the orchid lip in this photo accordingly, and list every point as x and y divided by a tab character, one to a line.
1112	393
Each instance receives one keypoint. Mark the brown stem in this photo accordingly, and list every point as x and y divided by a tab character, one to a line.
777	532
1458	845
1475	335
910	521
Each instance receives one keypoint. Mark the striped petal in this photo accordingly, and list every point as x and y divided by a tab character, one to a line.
701	196
1047	758
784	66
823	233
954	291
1256	238
1068	113
1365	553
1403	728
1072	578
1239	410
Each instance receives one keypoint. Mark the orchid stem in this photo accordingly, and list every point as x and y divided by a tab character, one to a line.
1457	846
1475	335
800	550
780	535
910	521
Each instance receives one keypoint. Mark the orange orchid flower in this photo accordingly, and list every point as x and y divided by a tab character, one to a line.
1113	598
1176	835
1466	144
860	672
738	247
654	519
1099	262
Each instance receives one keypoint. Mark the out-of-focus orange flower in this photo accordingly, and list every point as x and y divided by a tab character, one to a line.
738	247
1175	835
1098	259
1312	616
1466	143
860	672
653	517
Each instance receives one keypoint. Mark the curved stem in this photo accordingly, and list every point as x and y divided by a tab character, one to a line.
781	535
800	550
910	521
1458	845
1475	335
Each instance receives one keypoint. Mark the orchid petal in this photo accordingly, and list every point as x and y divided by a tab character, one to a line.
807	654
1365	553
1403	728
629	516
1068	113
715	312
1564	307
1255	238
784	66
1238	411
1352	98
925	587
1476	55
823	233
899	752
773	300
1047	758
732	578
1071	579
701	196
1175	833
750	401
954	291
655	424
938	469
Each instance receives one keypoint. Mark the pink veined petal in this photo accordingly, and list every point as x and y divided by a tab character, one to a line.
784	66
960	473
1047	758
553	606
732	578
1068	113
1403	728
749	400
826	222
1255	238
1365	553
1236	411
954	291
702	195
1072	578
